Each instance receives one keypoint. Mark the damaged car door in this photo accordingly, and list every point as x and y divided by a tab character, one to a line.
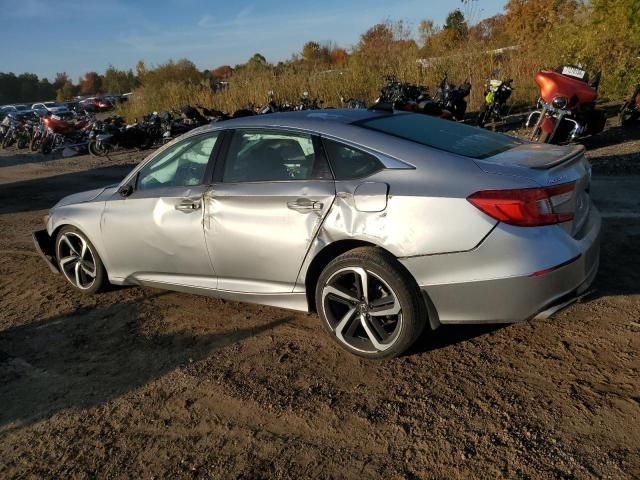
270	195
152	227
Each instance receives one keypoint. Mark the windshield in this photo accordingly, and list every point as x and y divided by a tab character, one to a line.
50	104
444	135
21	107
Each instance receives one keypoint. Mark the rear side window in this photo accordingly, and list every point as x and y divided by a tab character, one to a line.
348	162
444	135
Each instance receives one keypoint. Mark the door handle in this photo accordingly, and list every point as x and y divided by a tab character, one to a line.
189	205
304	205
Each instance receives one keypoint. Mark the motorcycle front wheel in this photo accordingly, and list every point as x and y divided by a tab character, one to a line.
34	145
97	150
628	114
46	145
23	142
7	141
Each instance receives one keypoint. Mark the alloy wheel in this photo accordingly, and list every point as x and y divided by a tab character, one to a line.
77	261
362	310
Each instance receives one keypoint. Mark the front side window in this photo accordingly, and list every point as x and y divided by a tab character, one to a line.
256	156
348	162
182	165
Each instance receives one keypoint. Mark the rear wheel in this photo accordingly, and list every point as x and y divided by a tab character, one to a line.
370	304
78	261
483	115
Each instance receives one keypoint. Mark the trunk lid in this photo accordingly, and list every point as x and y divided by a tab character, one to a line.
549	165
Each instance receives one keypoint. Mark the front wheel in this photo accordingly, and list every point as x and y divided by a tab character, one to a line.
97	150
46	144
628	114
34	144
79	262
6	141
370	304
23	141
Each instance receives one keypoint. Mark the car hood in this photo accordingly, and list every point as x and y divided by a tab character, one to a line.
97	194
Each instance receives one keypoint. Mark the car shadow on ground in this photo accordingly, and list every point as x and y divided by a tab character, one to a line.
41	193
90	356
448	335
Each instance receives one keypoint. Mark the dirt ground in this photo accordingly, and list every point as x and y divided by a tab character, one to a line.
150	384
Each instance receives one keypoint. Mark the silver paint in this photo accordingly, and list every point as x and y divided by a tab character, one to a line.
255	242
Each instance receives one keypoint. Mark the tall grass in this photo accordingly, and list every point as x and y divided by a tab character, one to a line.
362	75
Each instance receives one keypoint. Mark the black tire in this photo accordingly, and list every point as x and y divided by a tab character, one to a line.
386	279
146	143
34	144
96	151
483	115
22	142
6	141
68	240
628	115
544	137
45	145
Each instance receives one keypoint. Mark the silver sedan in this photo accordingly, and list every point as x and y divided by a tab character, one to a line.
383	223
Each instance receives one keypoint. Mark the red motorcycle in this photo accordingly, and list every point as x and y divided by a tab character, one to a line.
59	134
630	111
567	106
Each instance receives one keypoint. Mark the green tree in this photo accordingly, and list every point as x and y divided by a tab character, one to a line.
66	92
314	53
90	84
118	81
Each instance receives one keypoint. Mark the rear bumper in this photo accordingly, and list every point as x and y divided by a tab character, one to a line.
44	246
515	274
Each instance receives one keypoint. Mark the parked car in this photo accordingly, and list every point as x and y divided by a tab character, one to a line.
381	222
49	107
5	110
95	104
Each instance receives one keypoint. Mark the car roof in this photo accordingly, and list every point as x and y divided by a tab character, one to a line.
324	121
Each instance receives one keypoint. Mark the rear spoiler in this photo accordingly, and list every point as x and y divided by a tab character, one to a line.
574	154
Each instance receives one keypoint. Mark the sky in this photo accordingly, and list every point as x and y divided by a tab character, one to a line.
76	36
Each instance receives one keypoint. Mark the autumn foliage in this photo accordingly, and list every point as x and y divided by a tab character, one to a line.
599	34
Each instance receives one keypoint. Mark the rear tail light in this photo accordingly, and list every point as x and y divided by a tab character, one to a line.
526	207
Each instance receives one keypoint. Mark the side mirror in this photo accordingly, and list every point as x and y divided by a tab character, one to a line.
125	190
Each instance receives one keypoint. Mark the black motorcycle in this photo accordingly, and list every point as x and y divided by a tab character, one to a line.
496	94
272	106
308	103
112	134
353	103
630	111
396	95
16	128
453	98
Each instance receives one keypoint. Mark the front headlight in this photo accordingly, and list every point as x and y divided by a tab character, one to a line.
560	102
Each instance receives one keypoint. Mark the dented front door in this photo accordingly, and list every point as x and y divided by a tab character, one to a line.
157	235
